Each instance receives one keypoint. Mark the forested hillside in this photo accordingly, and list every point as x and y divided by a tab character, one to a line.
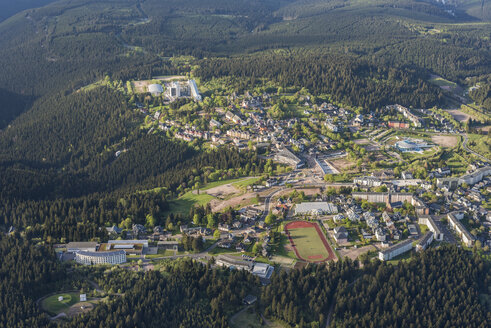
439	287
9	7
345	78
26	273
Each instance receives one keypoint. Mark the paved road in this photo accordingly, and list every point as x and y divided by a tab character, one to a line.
464	144
203	254
267	202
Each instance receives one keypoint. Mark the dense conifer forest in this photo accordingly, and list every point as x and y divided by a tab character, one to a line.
61	180
436	288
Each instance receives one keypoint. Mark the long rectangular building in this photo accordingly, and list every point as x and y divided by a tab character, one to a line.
432	226
425	241
467	238
395	250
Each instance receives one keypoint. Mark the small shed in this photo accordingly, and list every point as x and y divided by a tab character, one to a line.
249	299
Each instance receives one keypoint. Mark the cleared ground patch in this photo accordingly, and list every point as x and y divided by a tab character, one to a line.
446	141
308	242
458	115
222	191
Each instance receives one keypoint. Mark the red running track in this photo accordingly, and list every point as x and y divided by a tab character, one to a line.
305	224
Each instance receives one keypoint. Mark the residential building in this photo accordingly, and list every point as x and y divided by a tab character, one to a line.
432	226
425	241
341	235
454	221
395	250
367	181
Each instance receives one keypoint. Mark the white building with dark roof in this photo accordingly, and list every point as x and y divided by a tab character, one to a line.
467	238
425	241
395	250
432	226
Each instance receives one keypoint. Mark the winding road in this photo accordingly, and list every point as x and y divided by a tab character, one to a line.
464	145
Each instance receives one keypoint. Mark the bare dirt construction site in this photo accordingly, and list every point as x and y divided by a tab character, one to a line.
219	205
79	308
341	164
353	253
222	191
458	115
446	141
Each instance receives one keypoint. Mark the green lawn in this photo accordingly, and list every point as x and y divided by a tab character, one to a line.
309	244
441	82
53	306
403	257
480	144
244	183
249	319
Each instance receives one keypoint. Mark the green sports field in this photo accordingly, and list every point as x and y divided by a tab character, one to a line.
52	305
308	243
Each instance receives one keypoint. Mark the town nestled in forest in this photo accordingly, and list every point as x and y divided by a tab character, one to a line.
245	164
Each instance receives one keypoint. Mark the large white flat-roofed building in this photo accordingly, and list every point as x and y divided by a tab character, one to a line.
262	270
395	250
90	258
88	246
315	208
467	238
155	89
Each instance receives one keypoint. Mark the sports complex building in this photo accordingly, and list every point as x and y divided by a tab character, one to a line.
90	258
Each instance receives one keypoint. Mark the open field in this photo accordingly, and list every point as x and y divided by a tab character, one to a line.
445	141
52	305
480	144
193	198
354	253
308	242
249	318
222	191
441	82
458	115
341	164
242	200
